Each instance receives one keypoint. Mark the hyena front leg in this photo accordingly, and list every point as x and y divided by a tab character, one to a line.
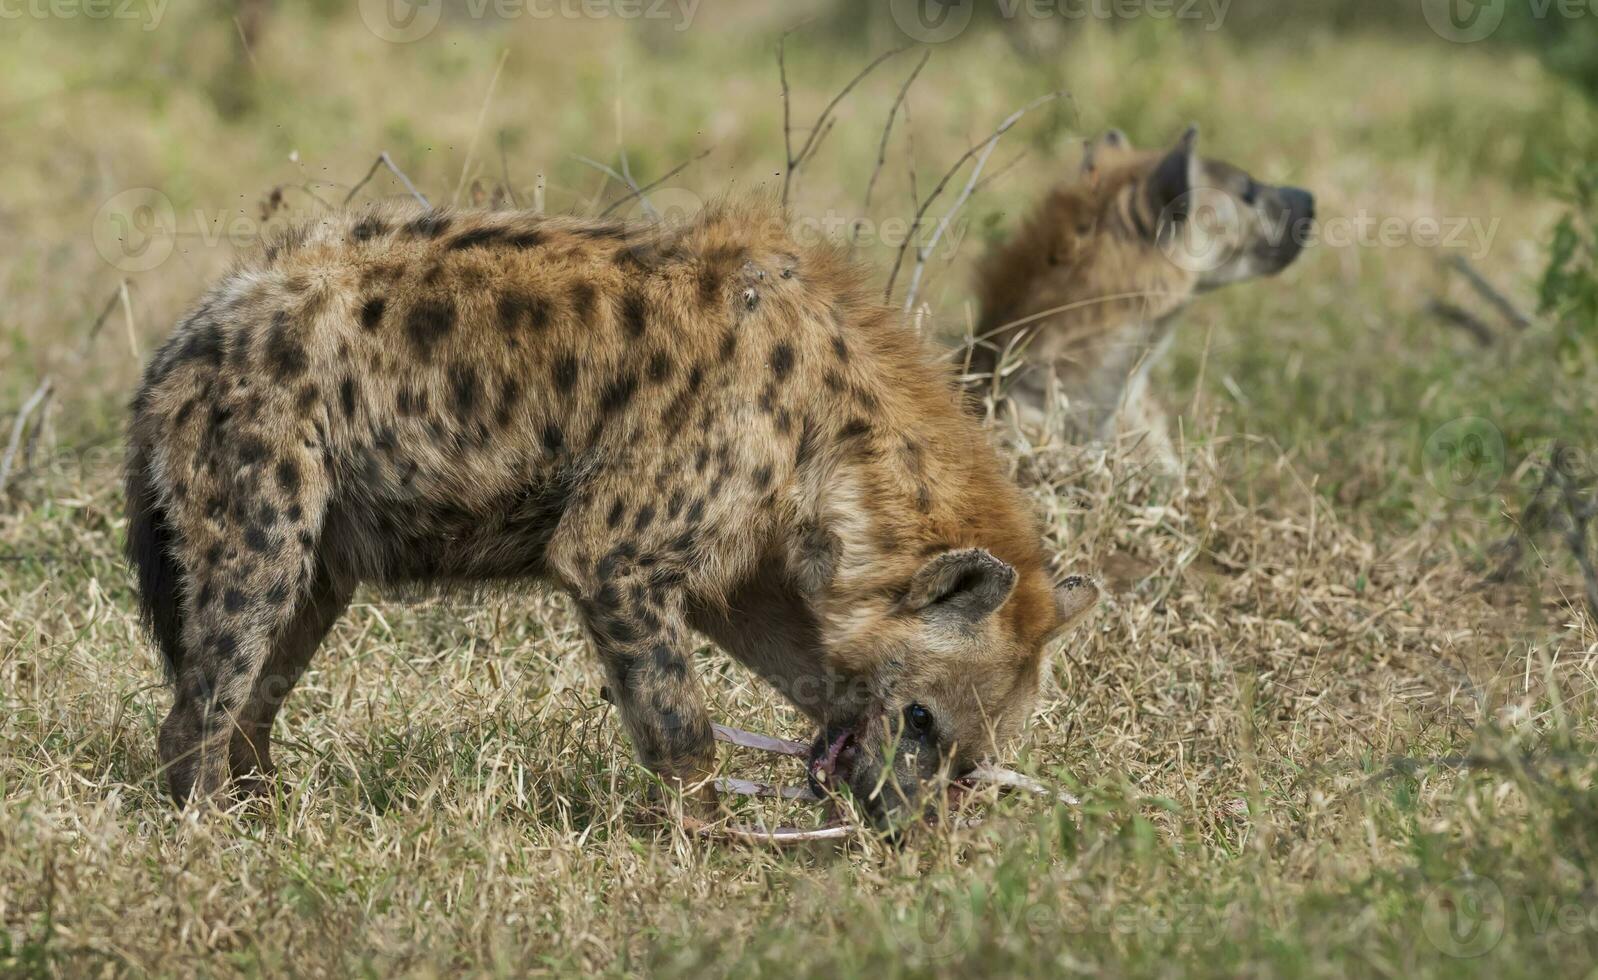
644	643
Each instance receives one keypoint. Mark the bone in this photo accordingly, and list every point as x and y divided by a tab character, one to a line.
762	835
1010	779
765	743
749	787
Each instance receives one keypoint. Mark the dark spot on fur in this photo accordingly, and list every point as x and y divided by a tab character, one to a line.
554	438
565	372
372	313
346	396
729	346
463	390
256	539
283	351
840	348
618	510
472	239
763	477
646	516
307	398
368	228
251	451
520	311
634	314
618	392
430	225
782	361
428	322
288	476
581	299
234	601
854	428
659	367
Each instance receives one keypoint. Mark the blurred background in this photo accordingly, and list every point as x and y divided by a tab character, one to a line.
1345	670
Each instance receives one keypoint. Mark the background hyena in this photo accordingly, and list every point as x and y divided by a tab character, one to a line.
1083	298
708	429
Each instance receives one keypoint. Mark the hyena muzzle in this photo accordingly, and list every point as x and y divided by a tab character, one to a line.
699	430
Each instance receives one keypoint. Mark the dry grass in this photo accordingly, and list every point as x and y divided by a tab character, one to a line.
1302	737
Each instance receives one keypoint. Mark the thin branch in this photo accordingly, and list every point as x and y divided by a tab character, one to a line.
821	127
610	172
1462	318
1506	309
981	151
383	160
887	129
641	191
19	428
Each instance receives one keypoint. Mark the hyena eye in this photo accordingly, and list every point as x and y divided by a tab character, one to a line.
917	721
1251	193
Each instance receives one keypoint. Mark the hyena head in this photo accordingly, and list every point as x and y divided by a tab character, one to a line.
1212	220
944	672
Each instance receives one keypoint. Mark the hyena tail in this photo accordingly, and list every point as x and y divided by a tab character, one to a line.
149	551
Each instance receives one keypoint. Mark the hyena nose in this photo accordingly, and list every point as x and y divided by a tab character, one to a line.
1300	203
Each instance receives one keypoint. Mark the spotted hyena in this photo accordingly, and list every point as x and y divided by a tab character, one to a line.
706	429
1080	304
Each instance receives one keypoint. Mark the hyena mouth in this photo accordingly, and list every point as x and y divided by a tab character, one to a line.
834	754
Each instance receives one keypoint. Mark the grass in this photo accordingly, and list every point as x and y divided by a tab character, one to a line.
1305	741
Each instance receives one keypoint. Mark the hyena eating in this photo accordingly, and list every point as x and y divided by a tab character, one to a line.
1080	304
707	429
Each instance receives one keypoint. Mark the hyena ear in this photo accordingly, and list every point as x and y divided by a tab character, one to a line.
1172	178
1100	151
968	584
1074	598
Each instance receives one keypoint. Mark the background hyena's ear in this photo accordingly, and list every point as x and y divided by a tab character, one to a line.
1074	598
1100	152
969	583
1172	178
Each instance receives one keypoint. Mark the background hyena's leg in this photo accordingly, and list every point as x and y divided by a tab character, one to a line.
645	645
251	749
248	544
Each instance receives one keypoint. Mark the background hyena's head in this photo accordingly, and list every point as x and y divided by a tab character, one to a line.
1211	220
944	672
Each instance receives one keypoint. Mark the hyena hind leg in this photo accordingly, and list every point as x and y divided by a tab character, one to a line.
250	752
249	561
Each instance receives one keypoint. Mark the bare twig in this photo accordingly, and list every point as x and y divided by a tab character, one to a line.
19	428
1506	309
980	151
1462	318
615	175
822	125
383	160
639	192
887	131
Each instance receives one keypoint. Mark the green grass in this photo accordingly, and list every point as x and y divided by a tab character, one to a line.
1306	742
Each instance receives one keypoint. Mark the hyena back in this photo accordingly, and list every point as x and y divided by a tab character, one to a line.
701	429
